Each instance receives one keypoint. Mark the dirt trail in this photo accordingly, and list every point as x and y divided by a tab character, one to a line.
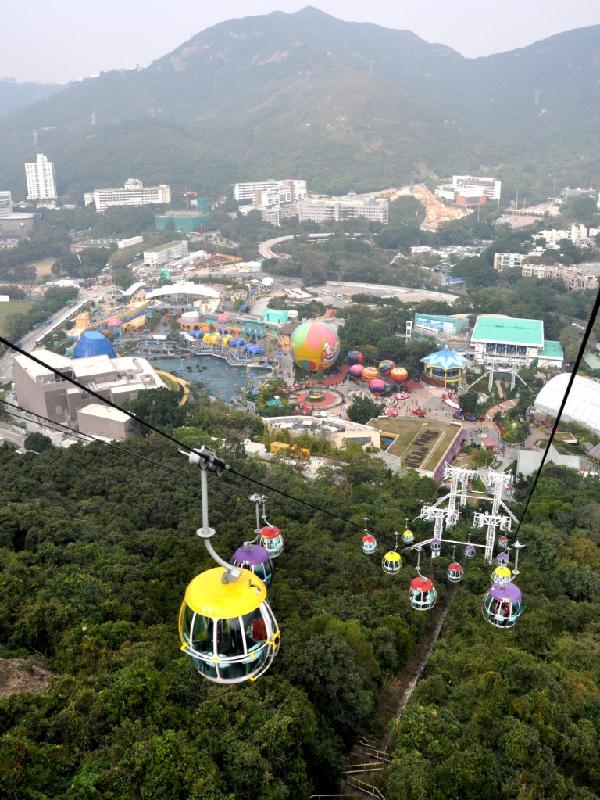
22	675
394	697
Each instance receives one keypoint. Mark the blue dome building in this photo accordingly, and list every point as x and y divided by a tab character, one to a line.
93	343
445	368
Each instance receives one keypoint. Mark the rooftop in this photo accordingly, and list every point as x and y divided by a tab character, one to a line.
183	288
166	246
420	444
551	349
105	412
529	460
508	330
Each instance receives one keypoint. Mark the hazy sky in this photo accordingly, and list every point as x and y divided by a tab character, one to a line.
58	40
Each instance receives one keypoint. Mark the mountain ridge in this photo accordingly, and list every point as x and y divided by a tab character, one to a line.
347	105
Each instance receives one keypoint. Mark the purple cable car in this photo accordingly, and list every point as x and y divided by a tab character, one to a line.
255	558
502	605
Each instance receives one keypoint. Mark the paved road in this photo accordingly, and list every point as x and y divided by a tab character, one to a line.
9	433
28	341
266	248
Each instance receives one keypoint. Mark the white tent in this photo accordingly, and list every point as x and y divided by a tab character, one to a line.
583	405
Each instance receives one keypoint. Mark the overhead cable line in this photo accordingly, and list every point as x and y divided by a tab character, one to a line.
90	437
578	360
205	456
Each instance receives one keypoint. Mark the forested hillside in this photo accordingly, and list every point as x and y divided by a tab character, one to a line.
14	95
345	105
97	549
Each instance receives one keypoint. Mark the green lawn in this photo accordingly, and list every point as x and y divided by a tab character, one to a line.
14	307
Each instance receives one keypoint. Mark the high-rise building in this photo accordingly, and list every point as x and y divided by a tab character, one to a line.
5	204
40	179
133	193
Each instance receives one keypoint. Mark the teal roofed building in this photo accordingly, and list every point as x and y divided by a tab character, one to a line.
441	324
511	340
444	368
276	316
182	221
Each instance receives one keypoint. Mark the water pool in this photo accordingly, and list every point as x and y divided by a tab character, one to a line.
220	380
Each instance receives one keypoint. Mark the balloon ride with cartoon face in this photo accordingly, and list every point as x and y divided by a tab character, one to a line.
315	346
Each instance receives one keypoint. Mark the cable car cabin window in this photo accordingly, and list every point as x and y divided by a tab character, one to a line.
230	641
200	629
257	631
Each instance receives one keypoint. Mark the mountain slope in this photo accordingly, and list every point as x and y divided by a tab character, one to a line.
15	95
347	105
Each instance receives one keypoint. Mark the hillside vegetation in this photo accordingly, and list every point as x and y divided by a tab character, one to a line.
346	105
95	557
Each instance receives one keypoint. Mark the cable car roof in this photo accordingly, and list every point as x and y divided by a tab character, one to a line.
209	596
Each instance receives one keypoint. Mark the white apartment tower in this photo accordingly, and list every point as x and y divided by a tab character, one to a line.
40	179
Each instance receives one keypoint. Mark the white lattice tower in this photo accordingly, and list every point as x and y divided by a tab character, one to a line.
496	483
456	476
439	515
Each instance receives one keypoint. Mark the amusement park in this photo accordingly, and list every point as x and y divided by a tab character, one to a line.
361	515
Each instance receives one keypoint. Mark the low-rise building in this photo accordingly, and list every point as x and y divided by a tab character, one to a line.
133	193
17	225
488	187
41	391
582	406
574	278
505	341
529	461
5	204
131	242
435	324
338	209
170	251
340	432
287	190
579	234
103	421
470	190
182	221
504	261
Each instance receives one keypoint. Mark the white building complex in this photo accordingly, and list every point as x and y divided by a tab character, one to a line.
165	253
469	190
338	209
583	403
275	200
340	432
40	179
488	187
506	341
133	193
5	204
573	277
42	392
285	191
578	234
504	261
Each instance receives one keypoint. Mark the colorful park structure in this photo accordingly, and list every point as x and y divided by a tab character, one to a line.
444	368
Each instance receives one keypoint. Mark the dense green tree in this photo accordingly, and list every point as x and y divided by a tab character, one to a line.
362	409
158	407
38	442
